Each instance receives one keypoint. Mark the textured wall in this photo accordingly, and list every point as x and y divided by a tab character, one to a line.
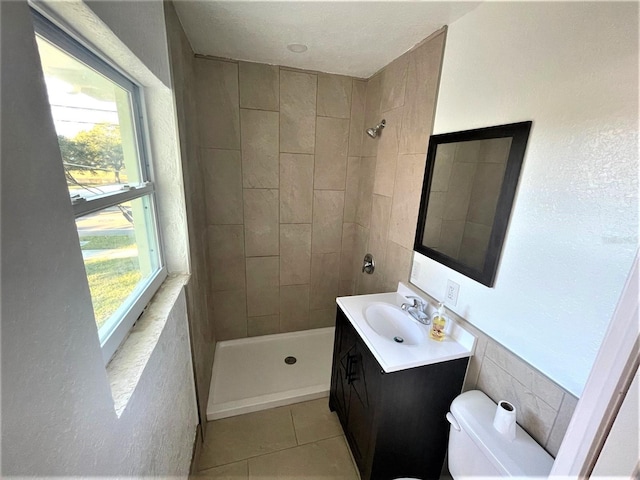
278	152
200	328
573	70
58	416
391	167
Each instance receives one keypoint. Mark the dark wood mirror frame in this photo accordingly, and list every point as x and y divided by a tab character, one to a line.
519	134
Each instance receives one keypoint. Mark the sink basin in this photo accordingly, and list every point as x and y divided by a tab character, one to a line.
391	323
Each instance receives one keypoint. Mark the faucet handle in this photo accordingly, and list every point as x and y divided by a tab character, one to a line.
417	302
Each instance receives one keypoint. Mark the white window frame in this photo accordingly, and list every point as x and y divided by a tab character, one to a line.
130	310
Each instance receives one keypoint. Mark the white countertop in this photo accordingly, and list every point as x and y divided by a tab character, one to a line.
392	356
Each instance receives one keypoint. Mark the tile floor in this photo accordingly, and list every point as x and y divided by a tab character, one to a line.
301	441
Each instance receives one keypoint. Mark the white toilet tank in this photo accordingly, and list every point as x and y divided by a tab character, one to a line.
477	449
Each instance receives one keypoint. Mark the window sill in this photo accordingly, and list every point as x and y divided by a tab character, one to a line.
126	367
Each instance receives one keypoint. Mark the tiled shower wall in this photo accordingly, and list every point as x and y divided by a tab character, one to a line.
201	333
278	152
391	167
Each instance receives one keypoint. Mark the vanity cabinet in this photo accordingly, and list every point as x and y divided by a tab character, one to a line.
394	422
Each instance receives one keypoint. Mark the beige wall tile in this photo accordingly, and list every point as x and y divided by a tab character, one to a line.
445	156
473	248
223	186
332	143
397	266
365	190
261	222
485	191
245	436
495	150
263	286
372	115
260	151
406	199
451	233
259	86
533	414
325	275
379	229
561	424
230	314
328	207
295	256
296	188
297	111
347	274
325	317
423	78
394	81
218	104
459	191
356	126
349	231
351	191
334	96
226	257
265	325
388	154
294	308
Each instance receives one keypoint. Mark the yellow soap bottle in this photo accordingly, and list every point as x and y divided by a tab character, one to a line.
437	324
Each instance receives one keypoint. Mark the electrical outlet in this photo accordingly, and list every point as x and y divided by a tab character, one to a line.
452	293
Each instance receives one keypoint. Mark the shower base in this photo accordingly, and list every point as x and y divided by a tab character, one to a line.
250	374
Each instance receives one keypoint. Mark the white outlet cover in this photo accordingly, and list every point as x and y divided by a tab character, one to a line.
451	294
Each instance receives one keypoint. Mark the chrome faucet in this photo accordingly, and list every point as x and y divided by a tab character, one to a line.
418	309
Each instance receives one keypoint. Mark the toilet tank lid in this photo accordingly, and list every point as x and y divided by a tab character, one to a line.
474	411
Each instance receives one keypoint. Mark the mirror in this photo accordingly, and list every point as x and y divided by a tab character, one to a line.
469	185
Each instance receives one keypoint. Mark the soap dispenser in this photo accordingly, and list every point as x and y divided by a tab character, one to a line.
438	324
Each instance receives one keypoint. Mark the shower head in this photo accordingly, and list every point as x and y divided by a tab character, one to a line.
375	131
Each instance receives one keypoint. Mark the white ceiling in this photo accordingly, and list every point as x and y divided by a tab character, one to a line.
354	38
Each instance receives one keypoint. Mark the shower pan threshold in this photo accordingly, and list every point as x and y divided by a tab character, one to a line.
250	374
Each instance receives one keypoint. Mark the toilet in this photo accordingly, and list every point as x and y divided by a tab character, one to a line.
477	449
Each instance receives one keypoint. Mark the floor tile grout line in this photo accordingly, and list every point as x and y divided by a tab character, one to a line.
272	452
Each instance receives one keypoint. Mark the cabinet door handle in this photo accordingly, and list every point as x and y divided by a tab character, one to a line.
348	374
353	360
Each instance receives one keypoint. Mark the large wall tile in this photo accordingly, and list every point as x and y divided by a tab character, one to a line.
226	257
264	325
458	193
357	127
260	151
259	86
328	208
263	286
485	191
325	273
365	190
332	143
334	96
397	266
379	229
218	104
296	188
372	114
294	308
351	189
569	403
295	253
223	186
297	111
261	222
387	156
423	78
325	317
406	199
394	80
230	314
533	414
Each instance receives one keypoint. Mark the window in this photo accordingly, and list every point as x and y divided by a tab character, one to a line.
97	115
